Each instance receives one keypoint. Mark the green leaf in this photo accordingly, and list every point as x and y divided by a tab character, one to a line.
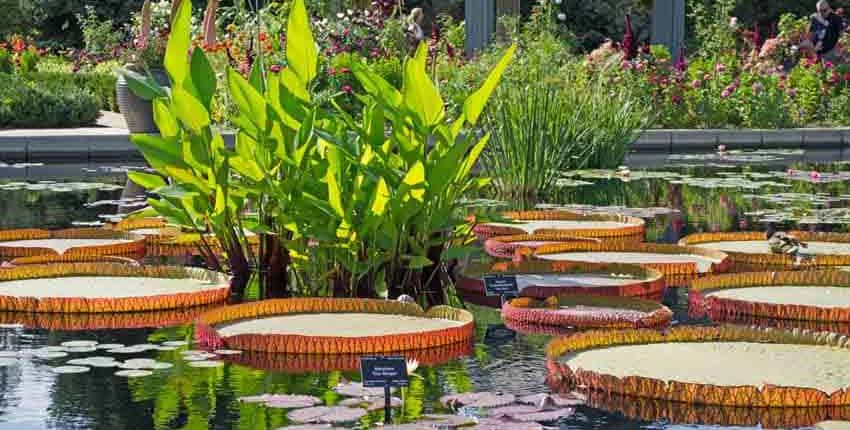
165	121
456	252
301	51
146	180
169	211
380	198
376	85
414	182
417	261
250	102
158	152
143	86
190	111
177	49
203	77
420	94
474	104
256	78
196	152
247	167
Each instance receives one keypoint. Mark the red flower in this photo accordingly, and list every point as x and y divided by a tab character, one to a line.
18	45
262	37
847	77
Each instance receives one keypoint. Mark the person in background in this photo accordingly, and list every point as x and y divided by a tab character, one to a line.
826	28
414	26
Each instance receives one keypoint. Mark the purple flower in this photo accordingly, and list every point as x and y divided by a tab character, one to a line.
676	99
758	88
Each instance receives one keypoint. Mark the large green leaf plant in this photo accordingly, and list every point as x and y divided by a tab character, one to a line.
346	204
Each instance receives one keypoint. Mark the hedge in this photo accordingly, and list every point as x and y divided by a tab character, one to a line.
25	103
100	85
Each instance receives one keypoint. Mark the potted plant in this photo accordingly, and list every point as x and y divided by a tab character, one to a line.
143	60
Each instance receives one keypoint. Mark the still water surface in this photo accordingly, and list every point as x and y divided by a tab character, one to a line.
739	195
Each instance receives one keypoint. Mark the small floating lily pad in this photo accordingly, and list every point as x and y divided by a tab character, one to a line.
227	352
379	404
326	414
206	364
356	389
500	424
175	343
290	401
110	345
160	365
80	349
70	369
79	344
50	355
166	348
138	363
198	357
133	373
478	400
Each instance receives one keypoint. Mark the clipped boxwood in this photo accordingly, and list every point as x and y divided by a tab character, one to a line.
100	85
44	104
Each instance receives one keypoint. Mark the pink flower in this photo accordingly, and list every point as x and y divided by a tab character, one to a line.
676	99
721	148
626	65
347	89
696	83
758	88
726	93
719	68
814	174
276	68
828	64
847	77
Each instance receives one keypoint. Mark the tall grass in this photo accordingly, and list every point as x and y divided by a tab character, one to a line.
531	139
571	121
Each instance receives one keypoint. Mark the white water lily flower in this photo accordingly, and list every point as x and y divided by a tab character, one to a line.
412	365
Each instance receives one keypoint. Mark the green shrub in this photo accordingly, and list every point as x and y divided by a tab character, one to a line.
44	104
7	65
99	85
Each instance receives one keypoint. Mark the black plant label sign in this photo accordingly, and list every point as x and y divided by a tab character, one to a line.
501	285
379	371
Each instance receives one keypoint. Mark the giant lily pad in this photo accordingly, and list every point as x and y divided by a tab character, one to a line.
326	414
478	400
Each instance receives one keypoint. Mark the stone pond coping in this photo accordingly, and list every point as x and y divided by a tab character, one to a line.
677	141
109	142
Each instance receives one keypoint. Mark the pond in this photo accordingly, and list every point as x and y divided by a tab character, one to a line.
683	194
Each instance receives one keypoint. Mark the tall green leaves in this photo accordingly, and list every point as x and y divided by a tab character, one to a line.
302	55
177	49
382	193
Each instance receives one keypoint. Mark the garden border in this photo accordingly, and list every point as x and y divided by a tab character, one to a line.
687	140
25	145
